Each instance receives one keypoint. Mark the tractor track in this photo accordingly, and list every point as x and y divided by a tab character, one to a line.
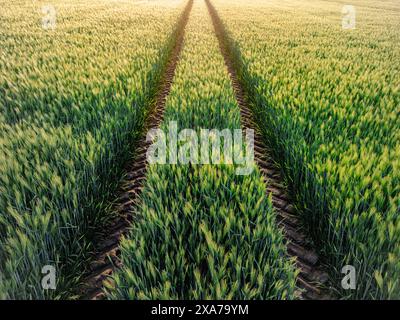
312	280
108	240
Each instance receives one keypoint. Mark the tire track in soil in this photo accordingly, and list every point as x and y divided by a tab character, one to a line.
107	247
311	278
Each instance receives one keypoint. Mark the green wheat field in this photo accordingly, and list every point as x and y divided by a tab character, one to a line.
78	79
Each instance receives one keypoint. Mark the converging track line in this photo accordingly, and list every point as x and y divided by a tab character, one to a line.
107	248
311	277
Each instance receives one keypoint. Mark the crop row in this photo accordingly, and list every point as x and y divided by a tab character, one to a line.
327	100
72	99
202	231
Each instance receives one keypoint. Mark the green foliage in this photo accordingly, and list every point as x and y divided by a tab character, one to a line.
328	102
201	231
72	100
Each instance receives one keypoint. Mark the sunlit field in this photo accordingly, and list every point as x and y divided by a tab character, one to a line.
316	216
72	100
330	102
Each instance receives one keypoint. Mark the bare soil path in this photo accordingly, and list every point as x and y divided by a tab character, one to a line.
311	279
108	239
